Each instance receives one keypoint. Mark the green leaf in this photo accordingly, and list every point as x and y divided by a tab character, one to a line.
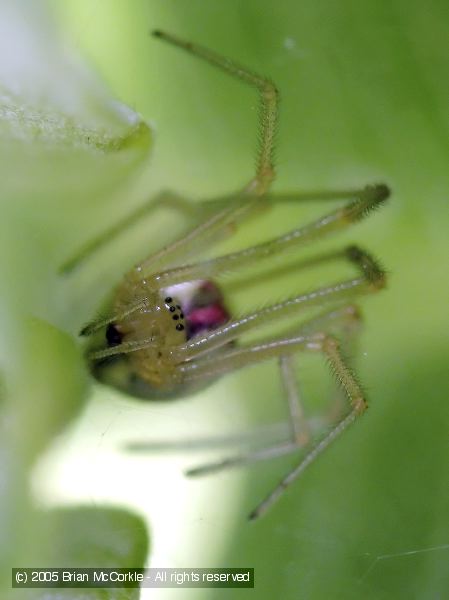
62	138
87	537
65	143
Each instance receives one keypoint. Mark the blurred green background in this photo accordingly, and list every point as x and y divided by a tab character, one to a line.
364	99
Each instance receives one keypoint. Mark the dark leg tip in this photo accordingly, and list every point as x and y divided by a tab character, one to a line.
253	515
380	191
86	330
354	253
384	191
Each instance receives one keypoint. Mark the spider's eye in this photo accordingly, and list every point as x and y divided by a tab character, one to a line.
113	335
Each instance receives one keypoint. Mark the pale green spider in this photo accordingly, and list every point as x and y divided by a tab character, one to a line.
169	329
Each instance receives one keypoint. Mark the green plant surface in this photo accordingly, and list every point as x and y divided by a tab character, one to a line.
364	99
86	536
62	138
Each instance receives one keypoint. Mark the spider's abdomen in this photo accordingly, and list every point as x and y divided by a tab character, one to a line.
202	304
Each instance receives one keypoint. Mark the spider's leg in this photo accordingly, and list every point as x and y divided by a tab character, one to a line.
163	199
299	427
268	101
223	216
329	347
345	323
214	228
216	218
339	320
358	404
258	186
367	200
371	279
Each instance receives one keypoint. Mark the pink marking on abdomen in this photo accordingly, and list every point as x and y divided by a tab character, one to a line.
207	310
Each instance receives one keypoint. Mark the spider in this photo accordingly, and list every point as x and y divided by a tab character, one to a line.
169	330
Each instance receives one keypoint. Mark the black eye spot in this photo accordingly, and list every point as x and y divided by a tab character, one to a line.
113	335
180	327
172	309
181	316
168	299
175	317
177	306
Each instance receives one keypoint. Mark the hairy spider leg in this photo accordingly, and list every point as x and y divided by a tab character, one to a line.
344	320
304	340
269	100
300	431
265	173
365	200
163	199
213	219
337	320
372	279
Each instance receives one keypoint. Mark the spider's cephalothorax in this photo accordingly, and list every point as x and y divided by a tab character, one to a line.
168	318
169	330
